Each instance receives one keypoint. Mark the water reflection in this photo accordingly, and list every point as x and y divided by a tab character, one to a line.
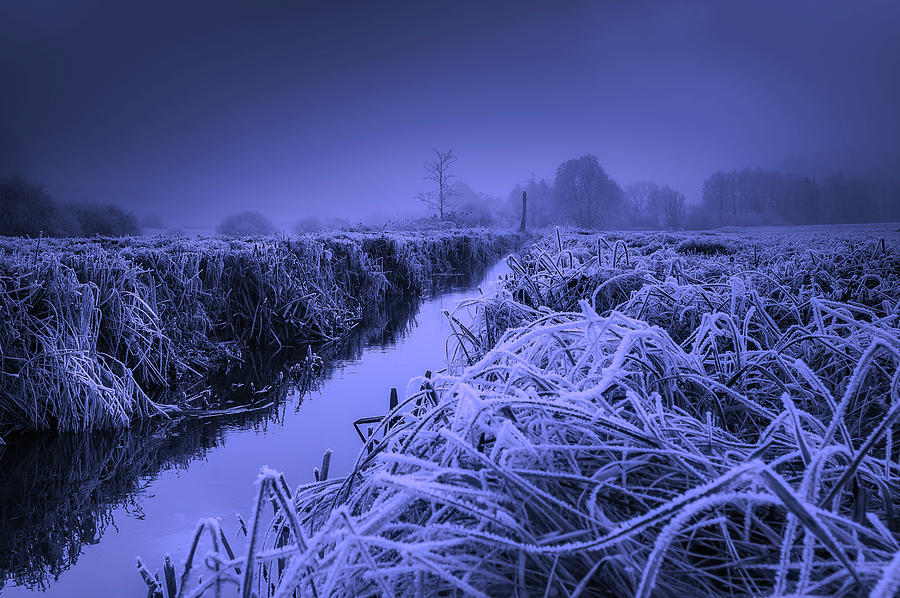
59	494
59	491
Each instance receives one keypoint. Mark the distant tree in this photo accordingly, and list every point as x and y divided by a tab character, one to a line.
638	196
697	217
105	220
655	206
26	209
67	223
887	196
800	201
245	224
848	199
584	190
668	204
437	170
718	196
473	208
309	224
541	210
644	211
756	196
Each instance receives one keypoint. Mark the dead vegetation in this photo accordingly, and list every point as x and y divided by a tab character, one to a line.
96	333
624	420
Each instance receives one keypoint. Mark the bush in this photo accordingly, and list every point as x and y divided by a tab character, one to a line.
709	248
105	220
245	224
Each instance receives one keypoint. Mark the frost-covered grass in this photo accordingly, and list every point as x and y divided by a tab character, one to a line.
95	333
623	419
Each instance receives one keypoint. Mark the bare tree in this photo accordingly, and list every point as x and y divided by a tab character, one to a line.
669	205
438	170
639	195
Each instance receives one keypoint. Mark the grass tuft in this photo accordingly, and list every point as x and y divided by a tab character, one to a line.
701	247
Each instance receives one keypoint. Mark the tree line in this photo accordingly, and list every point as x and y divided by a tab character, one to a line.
29	211
583	194
769	197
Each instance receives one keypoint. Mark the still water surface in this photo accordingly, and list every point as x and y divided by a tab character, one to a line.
75	513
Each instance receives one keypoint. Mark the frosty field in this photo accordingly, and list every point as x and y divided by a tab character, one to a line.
626	414
98	333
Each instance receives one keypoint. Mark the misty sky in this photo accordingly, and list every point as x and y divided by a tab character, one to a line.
195	109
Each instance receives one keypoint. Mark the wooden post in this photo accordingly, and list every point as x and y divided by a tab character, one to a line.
393	405
524	206
326	464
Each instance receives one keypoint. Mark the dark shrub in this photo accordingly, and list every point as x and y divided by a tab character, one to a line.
67	223
245	224
105	220
26	209
704	248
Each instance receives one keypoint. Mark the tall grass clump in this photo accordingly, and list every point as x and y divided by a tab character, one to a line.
97	333
59	491
620	420
704	247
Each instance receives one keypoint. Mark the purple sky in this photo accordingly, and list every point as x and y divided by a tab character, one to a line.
194	109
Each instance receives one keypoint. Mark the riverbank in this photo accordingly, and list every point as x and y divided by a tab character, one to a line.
97	333
630	415
76	507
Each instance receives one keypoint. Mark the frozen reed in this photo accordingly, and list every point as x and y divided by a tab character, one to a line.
97	333
623	418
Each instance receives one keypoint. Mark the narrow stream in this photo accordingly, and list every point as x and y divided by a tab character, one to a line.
74	512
